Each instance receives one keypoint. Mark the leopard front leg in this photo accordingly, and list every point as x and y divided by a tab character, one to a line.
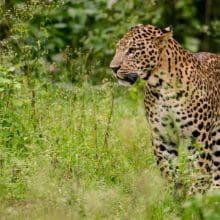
216	158
166	155
216	166
165	141
202	164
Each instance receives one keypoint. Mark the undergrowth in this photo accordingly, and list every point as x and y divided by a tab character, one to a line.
83	152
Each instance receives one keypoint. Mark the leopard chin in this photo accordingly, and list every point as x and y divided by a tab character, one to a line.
124	83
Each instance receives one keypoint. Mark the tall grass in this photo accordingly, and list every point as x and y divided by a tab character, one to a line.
83	152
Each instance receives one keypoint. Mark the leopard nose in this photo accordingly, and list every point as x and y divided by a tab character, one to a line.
115	68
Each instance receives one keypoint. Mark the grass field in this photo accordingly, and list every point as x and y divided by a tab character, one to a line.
69	152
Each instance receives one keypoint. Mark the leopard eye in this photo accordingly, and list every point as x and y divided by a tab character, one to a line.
131	50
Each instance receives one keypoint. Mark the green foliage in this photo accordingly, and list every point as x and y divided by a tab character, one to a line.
57	138
49	28
55	160
73	145
202	207
7	80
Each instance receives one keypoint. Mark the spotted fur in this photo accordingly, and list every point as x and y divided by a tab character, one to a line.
182	99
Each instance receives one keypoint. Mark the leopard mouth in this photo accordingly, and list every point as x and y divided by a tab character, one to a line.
128	79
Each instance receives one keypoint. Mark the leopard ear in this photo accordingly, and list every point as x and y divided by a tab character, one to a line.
168	31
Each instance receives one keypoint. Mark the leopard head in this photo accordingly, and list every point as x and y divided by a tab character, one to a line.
138	52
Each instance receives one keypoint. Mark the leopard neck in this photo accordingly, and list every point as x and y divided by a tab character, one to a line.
175	69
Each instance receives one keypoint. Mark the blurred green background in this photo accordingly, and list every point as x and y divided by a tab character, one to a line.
65	30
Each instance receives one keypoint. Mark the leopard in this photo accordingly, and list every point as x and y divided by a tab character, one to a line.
181	100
